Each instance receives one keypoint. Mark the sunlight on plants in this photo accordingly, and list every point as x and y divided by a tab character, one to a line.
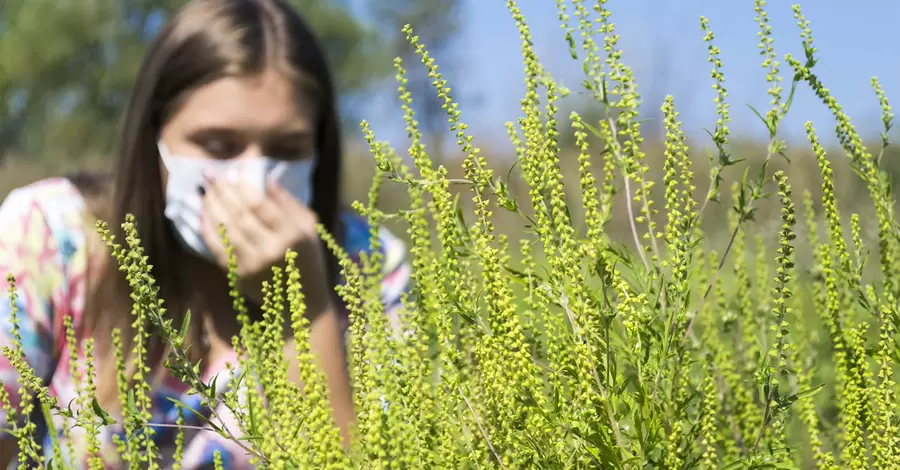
570	350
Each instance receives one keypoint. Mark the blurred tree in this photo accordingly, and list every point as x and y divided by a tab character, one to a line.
67	67
437	24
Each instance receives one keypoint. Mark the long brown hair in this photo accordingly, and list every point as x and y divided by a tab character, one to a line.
205	41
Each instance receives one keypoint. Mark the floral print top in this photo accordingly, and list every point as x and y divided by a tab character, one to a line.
42	243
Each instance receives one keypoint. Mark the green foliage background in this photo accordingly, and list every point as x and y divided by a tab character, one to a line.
679	349
67	68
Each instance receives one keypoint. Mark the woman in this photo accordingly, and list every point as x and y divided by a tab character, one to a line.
232	121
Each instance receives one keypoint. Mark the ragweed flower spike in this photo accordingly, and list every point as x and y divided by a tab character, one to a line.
770	63
721	131
887	116
575	352
775	365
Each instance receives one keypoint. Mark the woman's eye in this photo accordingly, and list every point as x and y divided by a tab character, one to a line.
221	148
290	153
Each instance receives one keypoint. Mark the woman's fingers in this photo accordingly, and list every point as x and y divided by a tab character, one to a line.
238	205
270	214
260	227
292	210
219	208
209	230
303	221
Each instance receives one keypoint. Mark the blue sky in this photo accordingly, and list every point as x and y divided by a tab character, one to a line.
662	42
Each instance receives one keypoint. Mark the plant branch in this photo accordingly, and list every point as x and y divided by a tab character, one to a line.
480	427
712	282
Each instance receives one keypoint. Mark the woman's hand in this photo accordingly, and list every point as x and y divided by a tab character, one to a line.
261	228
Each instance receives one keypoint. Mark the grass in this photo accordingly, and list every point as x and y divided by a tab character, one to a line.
676	350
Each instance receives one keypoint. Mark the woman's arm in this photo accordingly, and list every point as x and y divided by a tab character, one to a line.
326	329
30	253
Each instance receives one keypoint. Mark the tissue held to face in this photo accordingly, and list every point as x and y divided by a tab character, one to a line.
245	130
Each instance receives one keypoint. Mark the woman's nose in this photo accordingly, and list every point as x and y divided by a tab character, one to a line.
252	151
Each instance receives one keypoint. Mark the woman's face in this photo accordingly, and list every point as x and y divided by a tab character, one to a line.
242	117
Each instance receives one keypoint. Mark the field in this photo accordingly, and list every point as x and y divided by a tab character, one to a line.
625	304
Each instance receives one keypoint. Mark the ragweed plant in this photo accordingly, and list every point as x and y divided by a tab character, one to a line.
572	349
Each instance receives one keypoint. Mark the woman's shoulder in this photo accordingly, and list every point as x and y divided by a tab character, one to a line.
41	246
357	240
396	269
51	207
47	188
56	199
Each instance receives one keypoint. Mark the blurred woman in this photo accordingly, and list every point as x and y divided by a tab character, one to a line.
232	121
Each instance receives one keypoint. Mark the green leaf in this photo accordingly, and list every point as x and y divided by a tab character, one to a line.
184	325
804	394
764	120
196	413
735	465
132	408
105	418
